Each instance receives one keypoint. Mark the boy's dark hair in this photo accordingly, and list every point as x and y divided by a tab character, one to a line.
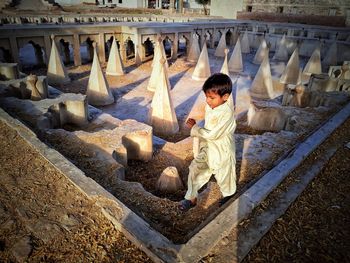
218	83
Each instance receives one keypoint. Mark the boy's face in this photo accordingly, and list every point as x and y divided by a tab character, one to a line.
214	99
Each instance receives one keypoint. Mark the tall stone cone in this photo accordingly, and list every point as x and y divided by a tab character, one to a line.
230	102
155	76
224	68
159	52
156	54
313	66
114	65
195	51
290	74
56	72
98	92
281	52
220	49
261	52
202	70
262	86
235	63
245	43
330	59
162	115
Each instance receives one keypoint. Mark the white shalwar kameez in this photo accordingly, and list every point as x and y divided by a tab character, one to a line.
217	153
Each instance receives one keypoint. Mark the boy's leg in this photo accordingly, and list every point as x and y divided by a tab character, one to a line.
198	176
226	179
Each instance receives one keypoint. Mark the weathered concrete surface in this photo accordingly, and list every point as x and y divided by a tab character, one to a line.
49	113
56	71
194	52
162	114
169	181
235	63
114	65
9	71
202	69
98	92
266	119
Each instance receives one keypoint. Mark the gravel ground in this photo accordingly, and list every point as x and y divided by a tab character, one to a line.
316	227
44	218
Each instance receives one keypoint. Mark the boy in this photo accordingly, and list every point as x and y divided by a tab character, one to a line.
217	144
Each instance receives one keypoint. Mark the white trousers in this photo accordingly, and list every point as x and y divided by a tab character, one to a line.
200	173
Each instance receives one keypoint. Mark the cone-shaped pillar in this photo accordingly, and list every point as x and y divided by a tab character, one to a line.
169	181
195	51
313	66
202	70
220	49
56	72
290	74
224	68
162	116
281	53
261	52
114	65
262	86
159	52
330	58
235	63
98	92
154	78
245	47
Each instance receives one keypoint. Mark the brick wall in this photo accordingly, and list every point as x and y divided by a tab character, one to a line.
293	18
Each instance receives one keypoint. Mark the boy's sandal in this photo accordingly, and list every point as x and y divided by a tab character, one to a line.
185	205
224	200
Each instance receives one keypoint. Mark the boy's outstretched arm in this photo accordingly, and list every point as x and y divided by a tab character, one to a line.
227	124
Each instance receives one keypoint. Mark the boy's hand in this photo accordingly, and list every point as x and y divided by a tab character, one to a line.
190	122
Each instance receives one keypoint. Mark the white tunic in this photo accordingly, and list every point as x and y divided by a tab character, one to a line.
217	152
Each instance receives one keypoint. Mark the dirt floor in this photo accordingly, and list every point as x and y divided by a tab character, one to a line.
44	218
316	227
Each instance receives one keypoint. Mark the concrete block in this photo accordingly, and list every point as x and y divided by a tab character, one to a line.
9	71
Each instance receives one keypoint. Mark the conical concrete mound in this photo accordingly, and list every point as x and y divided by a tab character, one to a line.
245	46
194	52
154	78
202	70
290	74
56	72
281	53
162	115
224	68
114	65
235	63
262	86
220	49
98	92
313	66
159	52
262	51
330	59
